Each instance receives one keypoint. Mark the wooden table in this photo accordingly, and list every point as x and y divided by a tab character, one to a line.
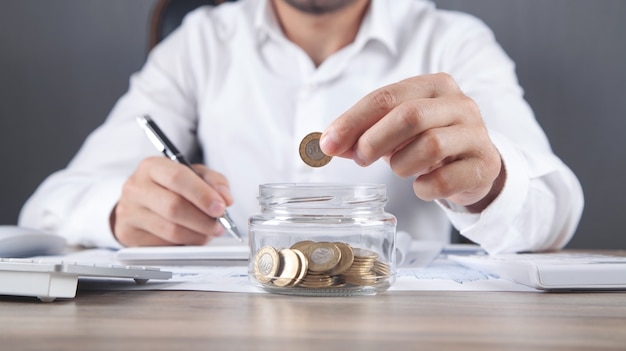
194	320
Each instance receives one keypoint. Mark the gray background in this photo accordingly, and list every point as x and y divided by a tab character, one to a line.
64	63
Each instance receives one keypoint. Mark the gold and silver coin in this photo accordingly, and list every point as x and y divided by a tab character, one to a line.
266	264
322	256
290	268
347	258
312	265
302	245
310	151
304	267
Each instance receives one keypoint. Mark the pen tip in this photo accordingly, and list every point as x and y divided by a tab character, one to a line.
234	232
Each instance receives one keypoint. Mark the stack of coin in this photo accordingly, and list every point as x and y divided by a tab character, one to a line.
310	264
320	280
360	272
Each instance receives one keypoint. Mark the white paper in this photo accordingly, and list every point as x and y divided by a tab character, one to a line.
440	275
446	275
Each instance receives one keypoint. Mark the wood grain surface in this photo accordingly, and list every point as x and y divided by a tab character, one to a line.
193	320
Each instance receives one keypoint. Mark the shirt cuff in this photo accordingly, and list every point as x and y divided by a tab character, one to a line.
90	223
492	227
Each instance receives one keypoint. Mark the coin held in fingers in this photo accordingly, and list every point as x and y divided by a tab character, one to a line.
310	151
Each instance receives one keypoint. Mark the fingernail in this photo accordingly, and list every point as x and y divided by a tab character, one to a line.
358	159
225	191
328	142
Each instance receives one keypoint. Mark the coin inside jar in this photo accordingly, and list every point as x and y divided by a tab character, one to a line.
291	266
266	264
308	264
347	258
310	151
322	256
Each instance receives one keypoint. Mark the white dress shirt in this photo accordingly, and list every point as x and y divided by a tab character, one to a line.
229	81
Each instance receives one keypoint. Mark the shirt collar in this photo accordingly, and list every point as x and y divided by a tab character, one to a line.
376	24
265	21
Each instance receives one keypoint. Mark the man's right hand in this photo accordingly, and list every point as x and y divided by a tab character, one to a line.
166	203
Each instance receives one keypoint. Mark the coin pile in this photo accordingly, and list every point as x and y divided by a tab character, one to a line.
310	151
310	264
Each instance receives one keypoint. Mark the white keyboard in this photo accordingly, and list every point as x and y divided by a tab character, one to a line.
49	280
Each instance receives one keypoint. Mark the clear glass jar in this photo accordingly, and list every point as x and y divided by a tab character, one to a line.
322	239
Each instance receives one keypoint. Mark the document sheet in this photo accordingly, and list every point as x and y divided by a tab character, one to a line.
424	267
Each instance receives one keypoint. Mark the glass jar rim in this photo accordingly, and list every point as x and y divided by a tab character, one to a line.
272	194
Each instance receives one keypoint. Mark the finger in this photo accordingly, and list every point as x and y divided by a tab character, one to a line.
171	232
142	238
463	182
405	123
176	209
141	192
432	149
217	181
343	133
466	182
184	181
135	229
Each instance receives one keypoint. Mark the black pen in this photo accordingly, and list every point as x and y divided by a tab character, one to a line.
164	145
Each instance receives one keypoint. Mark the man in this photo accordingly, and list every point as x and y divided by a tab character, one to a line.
422	100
